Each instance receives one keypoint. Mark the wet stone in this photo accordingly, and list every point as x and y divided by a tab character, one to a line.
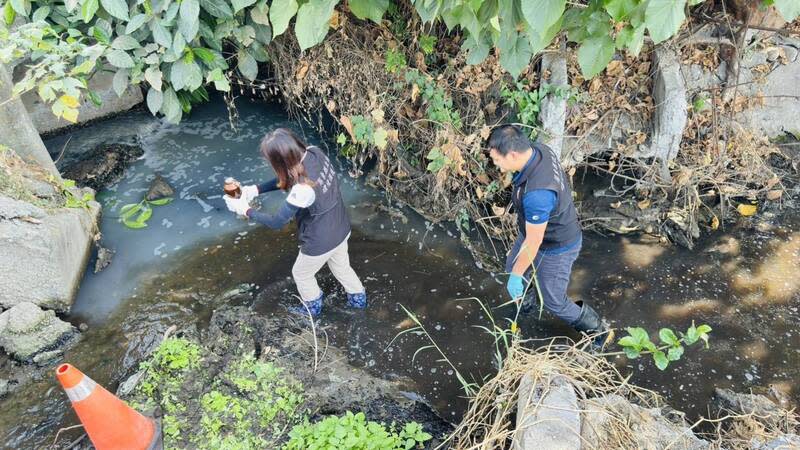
26	330
14	209
159	188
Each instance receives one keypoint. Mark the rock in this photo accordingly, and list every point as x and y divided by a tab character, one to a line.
17	209
554	107
4	388
83	327
548	417
727	400
785	442
43	262
104	256
102	84
650	429
102	166
41	189
159	188
669	94
26	331
244	291
46	357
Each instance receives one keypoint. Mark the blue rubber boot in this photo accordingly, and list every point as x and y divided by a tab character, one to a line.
314	307
358	301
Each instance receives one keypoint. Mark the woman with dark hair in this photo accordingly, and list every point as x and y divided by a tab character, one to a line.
314	200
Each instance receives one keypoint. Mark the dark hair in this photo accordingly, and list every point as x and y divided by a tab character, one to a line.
508	138
284	150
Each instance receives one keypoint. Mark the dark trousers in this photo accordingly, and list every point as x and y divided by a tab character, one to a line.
552	272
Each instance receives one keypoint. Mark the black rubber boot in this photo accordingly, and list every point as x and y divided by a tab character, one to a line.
590	323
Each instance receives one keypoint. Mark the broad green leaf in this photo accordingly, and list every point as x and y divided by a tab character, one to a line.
133	224
247	65
245	35
369	9
263	33
154	100
120	81
280	13
629	341
125	42
220	81
171	106
135	23
594	55
661	360
206	55
154	76
691	335
789	9
8	13
83	68
178	45
477	49
704	329
542	14
20	7
185	74
239	5
619	10
117	8
260	13
189	19
119	58
667	336
42	13
539	42
312	22
675	353
129	210
161	201
515	52
631	38
631	352
258	52
217	8
664	18
88	9
639	334
161	35
145	215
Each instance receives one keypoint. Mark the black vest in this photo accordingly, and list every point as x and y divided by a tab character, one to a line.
563	227
325	224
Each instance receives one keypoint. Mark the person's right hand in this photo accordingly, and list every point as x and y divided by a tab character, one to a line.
249	192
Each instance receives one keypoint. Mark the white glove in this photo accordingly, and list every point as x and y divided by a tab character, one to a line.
249	193
237	205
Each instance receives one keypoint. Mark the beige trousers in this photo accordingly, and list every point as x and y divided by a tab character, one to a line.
306	267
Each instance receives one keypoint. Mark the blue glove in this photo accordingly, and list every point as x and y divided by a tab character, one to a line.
516	286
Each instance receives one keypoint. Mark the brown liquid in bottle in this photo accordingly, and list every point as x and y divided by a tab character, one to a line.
232	187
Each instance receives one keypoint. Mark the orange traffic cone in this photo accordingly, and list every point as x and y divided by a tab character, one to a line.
109	422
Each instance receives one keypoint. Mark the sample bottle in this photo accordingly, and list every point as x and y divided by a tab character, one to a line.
232	187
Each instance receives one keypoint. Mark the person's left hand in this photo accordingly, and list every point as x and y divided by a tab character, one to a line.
237	205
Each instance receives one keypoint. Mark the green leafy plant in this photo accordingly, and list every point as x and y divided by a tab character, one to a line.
354	432
427	44
71	200
136	215
526	102
395	60
438	160
439	105
638	343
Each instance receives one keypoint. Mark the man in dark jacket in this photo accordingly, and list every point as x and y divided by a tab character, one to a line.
550	235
